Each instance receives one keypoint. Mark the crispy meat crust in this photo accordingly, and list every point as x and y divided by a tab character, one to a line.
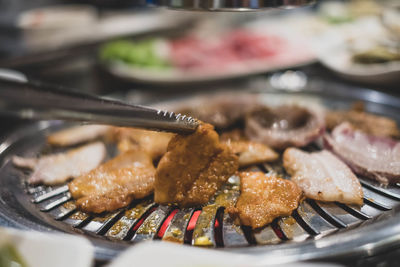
194	168
264	198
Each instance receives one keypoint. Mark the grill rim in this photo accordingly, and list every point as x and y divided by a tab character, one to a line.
342	244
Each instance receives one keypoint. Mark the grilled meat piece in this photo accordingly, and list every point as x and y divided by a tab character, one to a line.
284	126
264	198
377	158
152	142
115	183
250	152
58	168
194	168
368	123
77	135
322	176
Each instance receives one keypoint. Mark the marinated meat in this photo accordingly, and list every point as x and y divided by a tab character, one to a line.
115	183
264	198
284	126
152	142
365	122
222	110
58	168
77	135
322	176
250	152
374	157
233	135
194	168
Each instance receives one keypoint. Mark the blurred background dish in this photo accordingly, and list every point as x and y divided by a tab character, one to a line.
361	55
196	57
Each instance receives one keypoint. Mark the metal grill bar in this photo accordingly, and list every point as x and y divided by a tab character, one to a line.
376	205
327	216
370	210
390	191
314	222
55	203
292	230
266	236
355	211
99	224
51	194
203	233
78	219
232	235
37	189
141	222
151	224
63	211
131	216
333	210
175	231
379	200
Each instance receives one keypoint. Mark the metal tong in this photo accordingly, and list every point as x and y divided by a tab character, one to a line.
37	100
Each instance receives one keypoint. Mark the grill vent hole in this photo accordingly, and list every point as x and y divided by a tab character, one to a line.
192	223
219	218
278	231
303	224
248	234
327	216
165	224
354	212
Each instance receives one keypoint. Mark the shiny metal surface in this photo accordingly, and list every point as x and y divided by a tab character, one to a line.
316	230
35	100
231	5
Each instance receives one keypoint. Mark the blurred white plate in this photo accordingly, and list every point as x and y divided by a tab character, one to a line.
48	250
334	53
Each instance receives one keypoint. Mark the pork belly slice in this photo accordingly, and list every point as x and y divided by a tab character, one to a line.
58	168
194	168
264	198
284	126
322	176
250	152
77	135
368	123
152	142
115	184
377	158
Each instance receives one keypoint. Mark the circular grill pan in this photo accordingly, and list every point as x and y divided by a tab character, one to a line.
315	230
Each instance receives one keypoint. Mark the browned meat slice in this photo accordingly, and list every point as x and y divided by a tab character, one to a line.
78	134
152	142
264	198
284	126
367	123
194	168
375	157
322	176
250	152
115	183
233	135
